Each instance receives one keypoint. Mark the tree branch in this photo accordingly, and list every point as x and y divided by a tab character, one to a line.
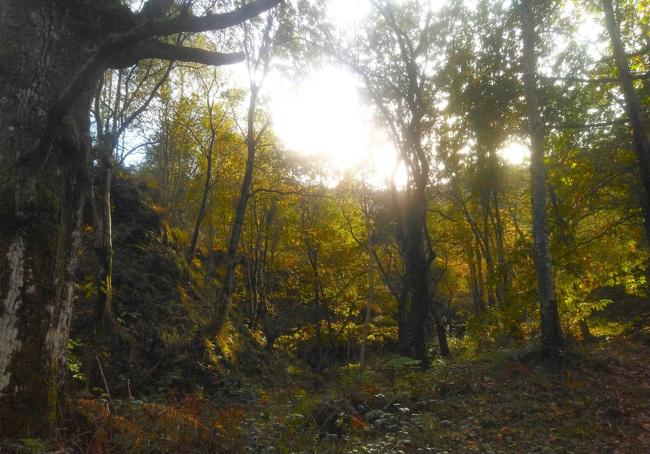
191	24
603	124
129	42
155	8
597	80
163	51
281	192
639	53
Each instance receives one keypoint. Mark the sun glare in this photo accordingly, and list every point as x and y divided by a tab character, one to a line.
324	116
515	153
320	116
347	11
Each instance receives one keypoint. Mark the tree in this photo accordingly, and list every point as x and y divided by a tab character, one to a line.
397	69
258	44
482	89
550	321
206	138
632	108
122	95
53	56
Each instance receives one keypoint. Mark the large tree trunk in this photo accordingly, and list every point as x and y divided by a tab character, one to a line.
403	332
42	189
51	59
633	110
417	273
550	322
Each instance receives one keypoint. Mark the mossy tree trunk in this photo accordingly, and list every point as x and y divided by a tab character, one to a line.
52	55
41	192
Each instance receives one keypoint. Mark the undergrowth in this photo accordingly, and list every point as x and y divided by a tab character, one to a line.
598	401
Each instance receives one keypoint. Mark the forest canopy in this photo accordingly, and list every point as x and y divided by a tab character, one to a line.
214	209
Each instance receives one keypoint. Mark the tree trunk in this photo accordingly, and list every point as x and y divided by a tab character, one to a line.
633	110
491	278
371	292
476	277
550	322
104	249
42	190
316	308
473	261
585	332
503	272
441	332
203	208
417	273
480	280
403	332
225	294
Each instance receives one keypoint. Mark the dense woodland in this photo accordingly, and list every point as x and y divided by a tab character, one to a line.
173	278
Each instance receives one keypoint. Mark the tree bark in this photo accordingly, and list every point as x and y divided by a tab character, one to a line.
105	253
417	272
41	196
550	321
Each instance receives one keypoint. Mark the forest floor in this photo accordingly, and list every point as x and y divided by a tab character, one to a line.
597	400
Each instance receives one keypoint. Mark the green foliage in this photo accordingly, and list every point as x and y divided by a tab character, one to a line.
74	362
33	446
402	363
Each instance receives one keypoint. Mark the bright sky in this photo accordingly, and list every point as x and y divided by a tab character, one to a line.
322	115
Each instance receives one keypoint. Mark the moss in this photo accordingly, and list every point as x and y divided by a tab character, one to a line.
4	271
52	396
7	202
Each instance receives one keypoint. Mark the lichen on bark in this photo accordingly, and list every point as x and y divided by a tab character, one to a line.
12	300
